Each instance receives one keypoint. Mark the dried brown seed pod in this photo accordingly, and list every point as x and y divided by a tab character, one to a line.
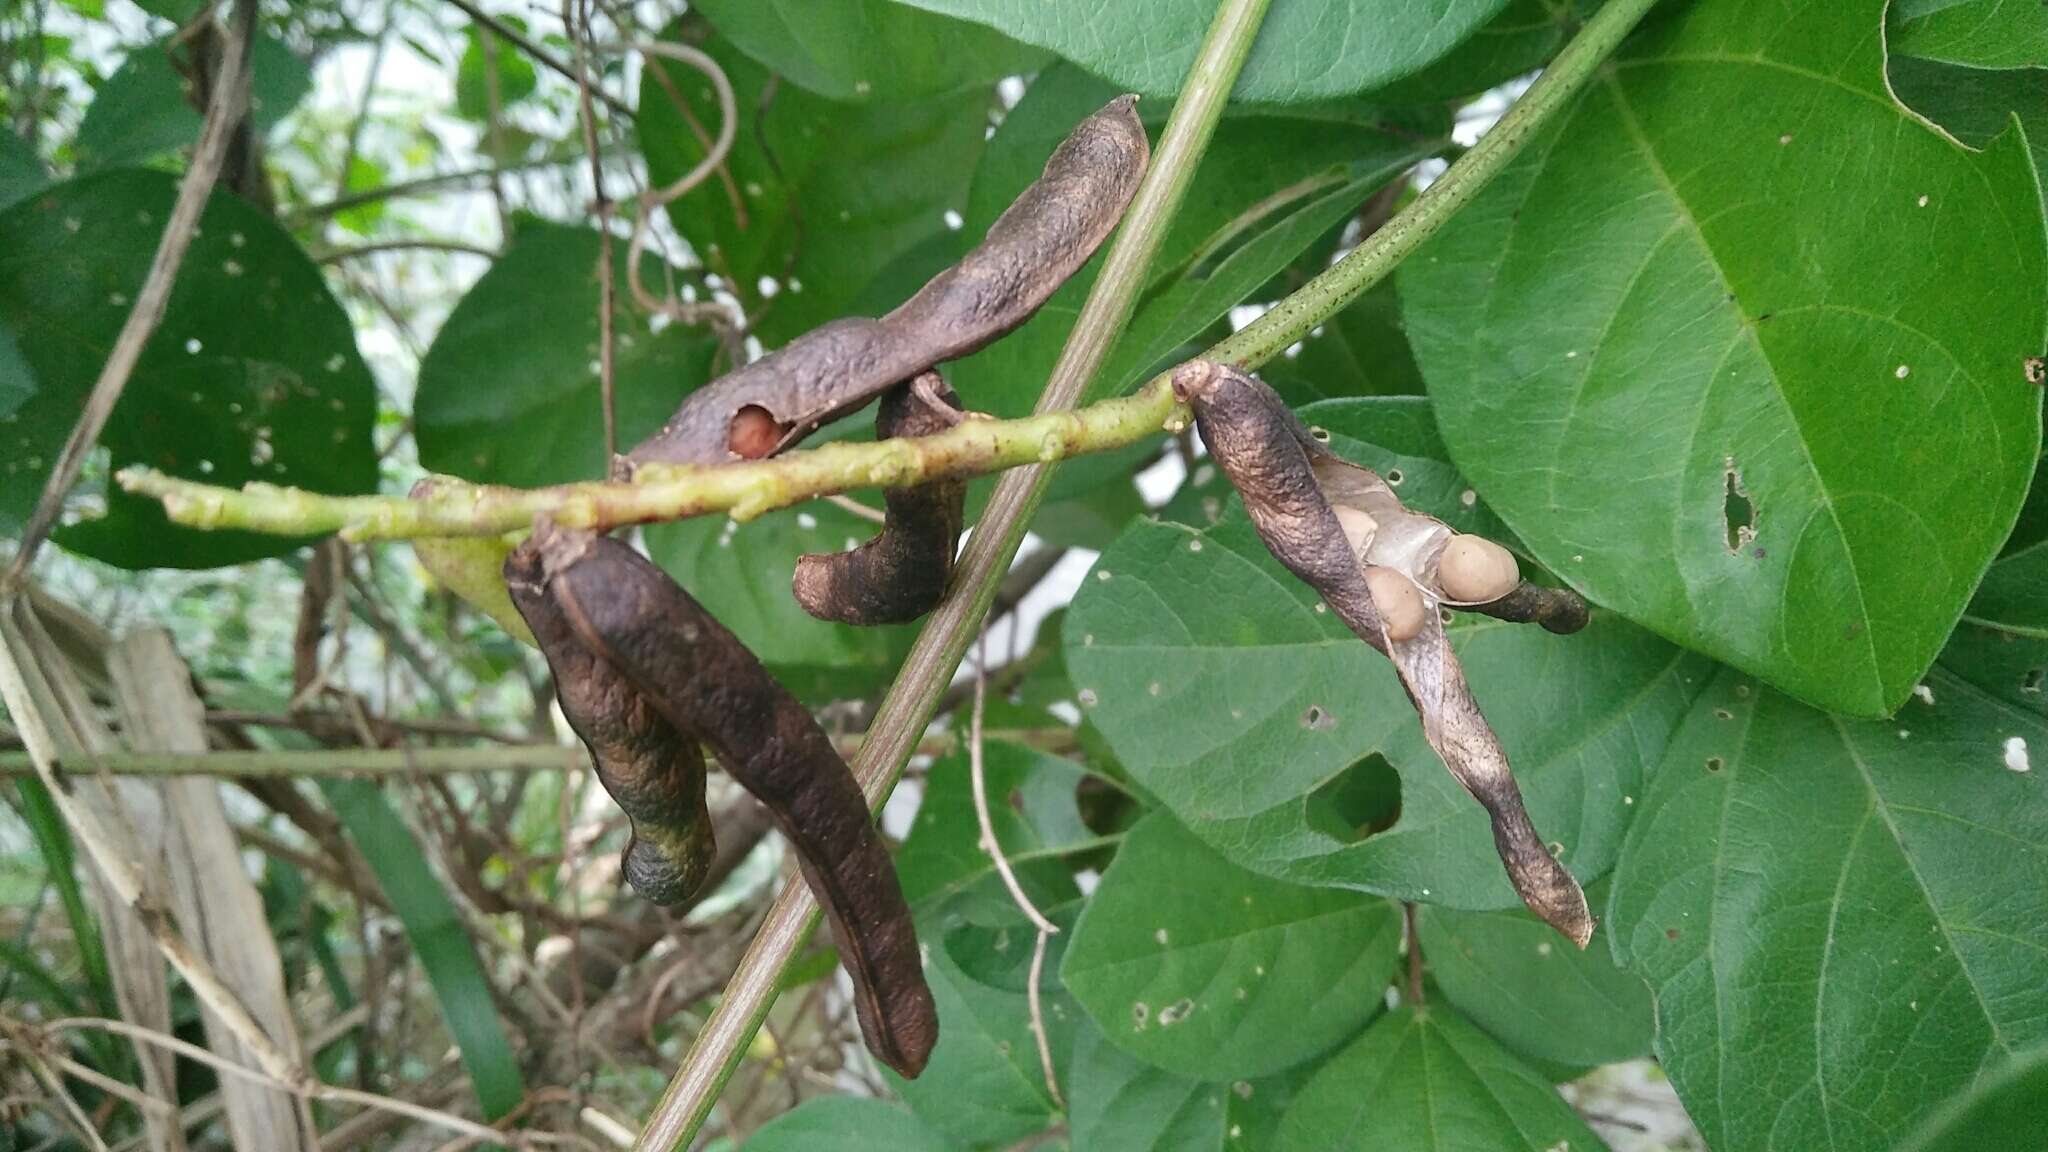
899	574
1475	570
1288	481
654	772
1041	240
1359	528
633	619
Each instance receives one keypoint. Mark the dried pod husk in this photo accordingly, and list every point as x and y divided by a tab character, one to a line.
654	772
901	573
1558	610
1400	539
472	567
1283	473
1041	240
636	620
1259	445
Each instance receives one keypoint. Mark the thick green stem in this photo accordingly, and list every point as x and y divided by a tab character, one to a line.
667	492
926	671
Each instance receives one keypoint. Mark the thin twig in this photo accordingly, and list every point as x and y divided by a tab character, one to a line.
989	844
68	1109
579	35
304	1087
1033	998
979	778
421	186
362	116
538	54
280	764
140	1101
854	507
660	198
406	244
224	111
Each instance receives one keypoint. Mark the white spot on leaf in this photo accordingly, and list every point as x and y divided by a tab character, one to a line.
2016	755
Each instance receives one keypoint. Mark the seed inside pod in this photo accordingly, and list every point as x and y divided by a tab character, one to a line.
1475	570
1359	527
1399	602
753	434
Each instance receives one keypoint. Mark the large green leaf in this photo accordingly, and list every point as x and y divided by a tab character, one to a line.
252	375
142	111
1032	808
1843	921
742	573
1979	33
1976	105
1271	183
1306	50
870	49
2002	1110
1534	993
847	1124
510	393
1738	348
438	938
817	197
1120	1104
1251	714
1425	1079
1195	965
1519	40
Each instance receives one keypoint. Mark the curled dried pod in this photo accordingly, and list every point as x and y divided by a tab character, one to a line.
901	573
654	772
1399	602
1289	482
471	567
1043	238
1475	570
634	620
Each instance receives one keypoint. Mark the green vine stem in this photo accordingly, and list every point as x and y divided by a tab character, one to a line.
659	492
926	671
